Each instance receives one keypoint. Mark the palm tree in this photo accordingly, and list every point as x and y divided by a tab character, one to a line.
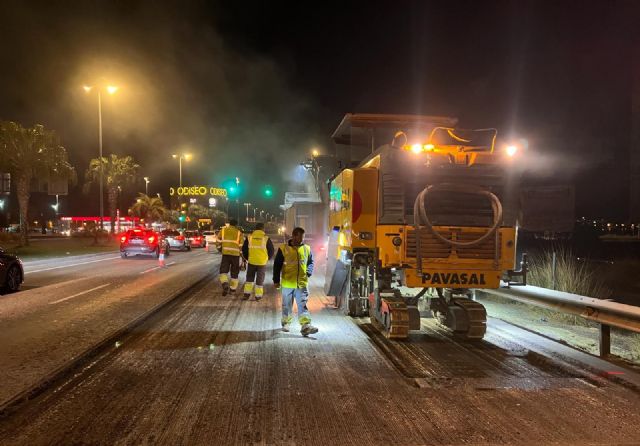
28	153
150	208
117	171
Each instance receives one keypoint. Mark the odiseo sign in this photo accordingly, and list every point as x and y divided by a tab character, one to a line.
197	191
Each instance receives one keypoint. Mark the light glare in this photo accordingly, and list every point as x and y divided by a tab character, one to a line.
112	89
511	150
416	148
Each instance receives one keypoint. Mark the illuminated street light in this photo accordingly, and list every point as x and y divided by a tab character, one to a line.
511	150
315	152
416	148
247	206
182	156
146	185
111	90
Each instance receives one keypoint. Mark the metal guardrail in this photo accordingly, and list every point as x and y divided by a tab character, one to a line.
608	314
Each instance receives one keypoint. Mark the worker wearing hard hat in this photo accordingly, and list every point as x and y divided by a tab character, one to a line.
257	249
230	240
292	268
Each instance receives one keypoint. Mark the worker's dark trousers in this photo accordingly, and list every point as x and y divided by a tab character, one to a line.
232	263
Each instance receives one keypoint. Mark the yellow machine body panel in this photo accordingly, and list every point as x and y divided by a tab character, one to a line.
364	208
444	266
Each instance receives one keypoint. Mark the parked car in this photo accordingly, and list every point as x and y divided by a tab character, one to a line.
11	272
196	240
142	241
176	240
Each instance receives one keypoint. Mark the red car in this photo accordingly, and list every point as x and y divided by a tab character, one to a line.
196	240
142	241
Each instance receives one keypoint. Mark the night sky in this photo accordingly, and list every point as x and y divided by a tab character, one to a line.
249	88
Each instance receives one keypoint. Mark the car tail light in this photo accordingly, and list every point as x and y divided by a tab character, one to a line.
152	239
123	239
180	237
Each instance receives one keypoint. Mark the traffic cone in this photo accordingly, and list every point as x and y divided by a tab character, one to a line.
161	259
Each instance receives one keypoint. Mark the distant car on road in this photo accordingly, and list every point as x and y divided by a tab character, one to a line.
176	240
142	241
196	240
210	239
11	272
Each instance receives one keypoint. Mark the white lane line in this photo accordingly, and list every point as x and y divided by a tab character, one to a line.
156	267
78	294
69	266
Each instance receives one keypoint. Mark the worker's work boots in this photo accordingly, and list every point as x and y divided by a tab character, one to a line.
285	328
308	329
225	289
246	296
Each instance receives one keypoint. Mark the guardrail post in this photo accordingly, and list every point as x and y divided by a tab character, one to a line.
605	340
553	271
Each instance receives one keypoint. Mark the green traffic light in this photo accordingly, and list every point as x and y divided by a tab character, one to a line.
268	192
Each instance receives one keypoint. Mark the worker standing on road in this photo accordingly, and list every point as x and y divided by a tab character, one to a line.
257	249
295	262
230	240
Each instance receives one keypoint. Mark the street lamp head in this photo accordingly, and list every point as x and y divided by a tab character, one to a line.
111	89
87	88
187	156
315	152
174	156
146	179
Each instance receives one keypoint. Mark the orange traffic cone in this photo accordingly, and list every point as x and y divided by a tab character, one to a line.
161	259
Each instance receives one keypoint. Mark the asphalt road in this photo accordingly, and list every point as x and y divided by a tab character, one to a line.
217	370
70	304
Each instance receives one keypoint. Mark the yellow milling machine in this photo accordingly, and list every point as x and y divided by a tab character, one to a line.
420	223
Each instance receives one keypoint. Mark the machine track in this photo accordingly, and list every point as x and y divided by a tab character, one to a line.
393	317
476	318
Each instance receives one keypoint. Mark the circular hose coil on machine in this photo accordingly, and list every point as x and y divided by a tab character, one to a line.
420	213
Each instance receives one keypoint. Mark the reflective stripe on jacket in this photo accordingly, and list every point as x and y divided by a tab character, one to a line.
294	271
231	240
258	248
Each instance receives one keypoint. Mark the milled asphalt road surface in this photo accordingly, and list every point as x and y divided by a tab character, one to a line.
218	370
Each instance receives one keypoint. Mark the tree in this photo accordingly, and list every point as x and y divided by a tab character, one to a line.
118	171
149	208
28	153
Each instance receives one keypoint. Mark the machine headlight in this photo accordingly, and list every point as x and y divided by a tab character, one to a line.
397	241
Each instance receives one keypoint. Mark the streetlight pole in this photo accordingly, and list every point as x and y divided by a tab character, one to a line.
182	156
238	199
146	185
101	163
111	90
247	206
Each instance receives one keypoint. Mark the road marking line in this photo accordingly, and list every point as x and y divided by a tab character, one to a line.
69	266
78	294
156	267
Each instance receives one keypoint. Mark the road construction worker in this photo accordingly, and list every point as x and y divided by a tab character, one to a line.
230	240
292	268
257	249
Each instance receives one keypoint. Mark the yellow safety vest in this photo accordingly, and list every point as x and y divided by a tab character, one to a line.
231	237
294	271
258	248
